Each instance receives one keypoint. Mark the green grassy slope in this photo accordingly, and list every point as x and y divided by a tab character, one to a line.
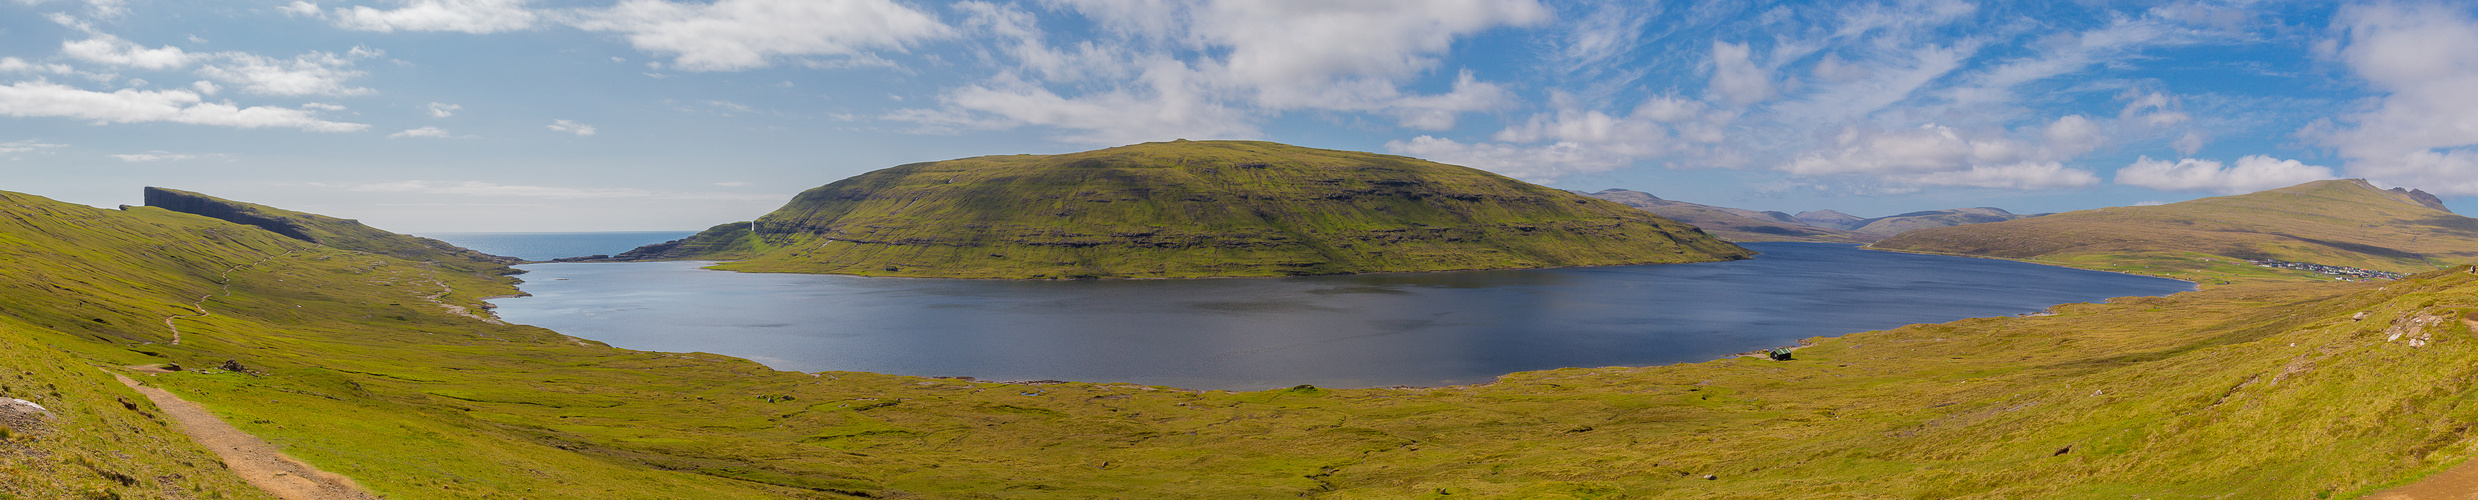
2338	222
1732	224
2257	391
343	234
1190	209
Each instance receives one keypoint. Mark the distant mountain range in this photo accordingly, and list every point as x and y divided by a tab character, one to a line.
2334	223
1738	224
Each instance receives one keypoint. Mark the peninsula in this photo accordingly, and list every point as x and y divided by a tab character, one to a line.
1185	209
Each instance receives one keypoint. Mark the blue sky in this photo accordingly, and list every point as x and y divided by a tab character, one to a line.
513	115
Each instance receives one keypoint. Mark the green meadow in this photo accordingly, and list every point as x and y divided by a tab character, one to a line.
352	361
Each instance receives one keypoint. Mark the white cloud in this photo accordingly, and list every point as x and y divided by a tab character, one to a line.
15	65
2250	174
1736	77
743	34
25	146
321	106
315	73
419	132
571	127
442	110
300	8
108	49
1298	54
1163	70
489	189
2024	176
2423	130
206	87
46	99
153	156
1529	162
1936	155
469	16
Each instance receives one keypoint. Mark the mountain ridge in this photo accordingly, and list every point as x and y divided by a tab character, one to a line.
1188	209
2346	222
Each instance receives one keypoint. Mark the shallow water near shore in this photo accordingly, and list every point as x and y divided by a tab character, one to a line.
1422	329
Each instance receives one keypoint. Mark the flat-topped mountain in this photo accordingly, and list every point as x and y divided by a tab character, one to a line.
1189	209
2337	223
346	234
1734	224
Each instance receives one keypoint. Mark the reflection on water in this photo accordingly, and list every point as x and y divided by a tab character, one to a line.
1333	331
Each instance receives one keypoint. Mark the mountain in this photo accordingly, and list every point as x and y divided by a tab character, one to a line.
1830	219
345	234
356	365
1734	224
2336	223
1189	209
1887	226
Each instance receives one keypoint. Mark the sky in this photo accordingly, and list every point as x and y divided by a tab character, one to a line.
433	116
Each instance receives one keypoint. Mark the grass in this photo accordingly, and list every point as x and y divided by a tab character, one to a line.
2339	222
1190	209
2255	390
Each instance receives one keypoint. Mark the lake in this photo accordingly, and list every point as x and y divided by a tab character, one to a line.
1419	329
547	246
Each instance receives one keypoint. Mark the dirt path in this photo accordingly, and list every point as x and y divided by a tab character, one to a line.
458	310
255	460
2458	483
200	305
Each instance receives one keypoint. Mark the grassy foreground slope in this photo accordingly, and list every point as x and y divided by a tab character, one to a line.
1189	209
2336	222
2258	391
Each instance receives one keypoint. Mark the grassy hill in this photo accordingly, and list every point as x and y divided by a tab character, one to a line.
1734	224
2338	222
346	234
1189	209
2271	390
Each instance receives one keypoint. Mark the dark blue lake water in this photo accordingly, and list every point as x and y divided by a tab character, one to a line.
1419	329
547	246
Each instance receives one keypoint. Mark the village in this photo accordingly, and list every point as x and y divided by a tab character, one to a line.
2344	273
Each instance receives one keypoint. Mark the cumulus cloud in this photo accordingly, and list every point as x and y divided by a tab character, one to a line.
1938	155
112	50
571	127
1735	76
315	73
15	65
743	34
419	132
469	16
2250	174
1211	69
2423	130
46	99
442	110
1532	162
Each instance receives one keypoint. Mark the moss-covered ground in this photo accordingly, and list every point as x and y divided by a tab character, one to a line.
2260	390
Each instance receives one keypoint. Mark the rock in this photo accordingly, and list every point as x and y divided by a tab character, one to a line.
232	366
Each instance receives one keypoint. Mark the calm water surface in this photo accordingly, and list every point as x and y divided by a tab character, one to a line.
1338	331
547	246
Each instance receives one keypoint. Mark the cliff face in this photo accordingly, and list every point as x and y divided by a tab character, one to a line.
216	208
346	234
1190	209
